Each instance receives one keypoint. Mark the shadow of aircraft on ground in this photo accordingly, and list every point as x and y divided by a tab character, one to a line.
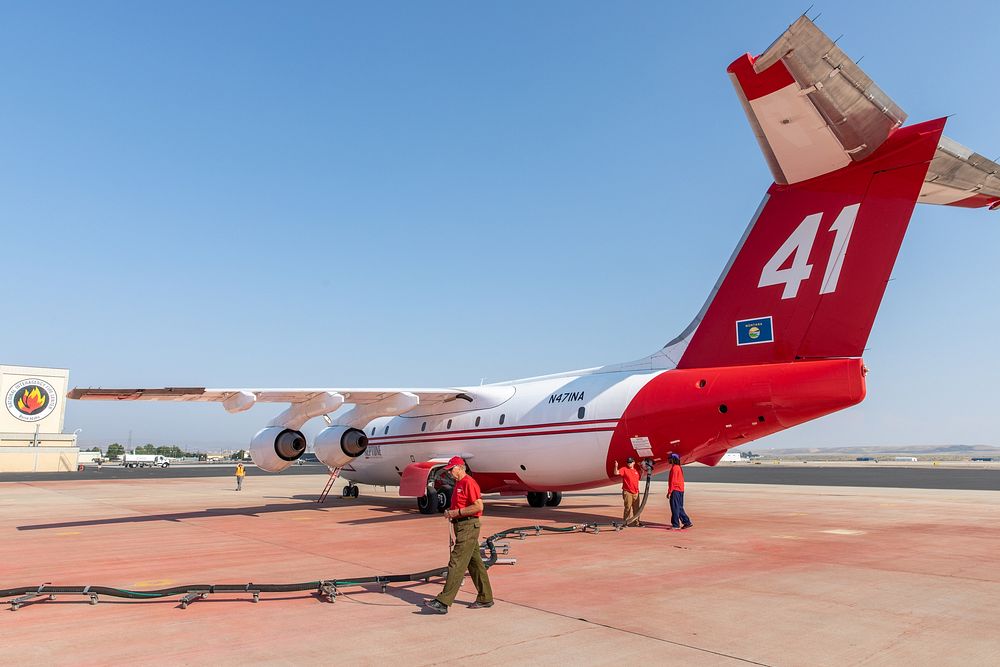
388	509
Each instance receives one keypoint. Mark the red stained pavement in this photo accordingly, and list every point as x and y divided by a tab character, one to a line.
774	575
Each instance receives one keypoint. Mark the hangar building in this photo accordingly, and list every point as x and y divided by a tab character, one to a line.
31	421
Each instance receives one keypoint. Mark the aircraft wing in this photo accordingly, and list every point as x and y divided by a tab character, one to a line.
304	404
814	110
203	395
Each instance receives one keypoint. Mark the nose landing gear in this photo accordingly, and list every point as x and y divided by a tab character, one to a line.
544	498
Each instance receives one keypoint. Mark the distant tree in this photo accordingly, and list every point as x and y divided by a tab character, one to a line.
146	449
94	449
238	456
115	451
172	451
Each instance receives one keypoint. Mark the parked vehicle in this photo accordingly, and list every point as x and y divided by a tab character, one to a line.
144	461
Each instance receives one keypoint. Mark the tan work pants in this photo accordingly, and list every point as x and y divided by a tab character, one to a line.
631	514
465	556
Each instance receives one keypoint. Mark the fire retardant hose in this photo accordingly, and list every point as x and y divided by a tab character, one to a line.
488	546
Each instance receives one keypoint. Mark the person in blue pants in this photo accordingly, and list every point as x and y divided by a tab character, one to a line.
675	493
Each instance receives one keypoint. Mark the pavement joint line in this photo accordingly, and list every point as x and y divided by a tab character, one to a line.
347	596
872	563
215	530
184	522
69	493
507	646
636	633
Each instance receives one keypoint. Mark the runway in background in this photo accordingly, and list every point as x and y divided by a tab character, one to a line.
918	477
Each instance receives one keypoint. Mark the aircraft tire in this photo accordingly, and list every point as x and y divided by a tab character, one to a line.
536	498
553	498
354	492
444	501
428	503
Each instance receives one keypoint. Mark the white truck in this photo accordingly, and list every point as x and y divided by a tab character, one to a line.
144	460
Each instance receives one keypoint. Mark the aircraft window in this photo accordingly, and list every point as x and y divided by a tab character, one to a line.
478	419
423	427
522	467
449	424
581	412
723	408
501	418
386	431
373	430
701	384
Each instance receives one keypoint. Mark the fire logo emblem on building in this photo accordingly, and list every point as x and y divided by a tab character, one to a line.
31	400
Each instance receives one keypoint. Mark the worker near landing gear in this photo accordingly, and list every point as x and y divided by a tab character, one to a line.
241	472
466	508
675	493
630	491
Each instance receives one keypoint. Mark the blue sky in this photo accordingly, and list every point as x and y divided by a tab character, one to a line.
391	194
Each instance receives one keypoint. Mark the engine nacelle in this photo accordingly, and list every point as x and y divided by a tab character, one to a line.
275	448
337	445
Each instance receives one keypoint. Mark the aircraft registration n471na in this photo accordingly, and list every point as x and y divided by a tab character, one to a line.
777	343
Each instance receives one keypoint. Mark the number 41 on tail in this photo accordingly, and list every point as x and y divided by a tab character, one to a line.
799	245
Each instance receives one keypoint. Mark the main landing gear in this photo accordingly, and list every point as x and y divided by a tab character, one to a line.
350	491
544	498
434	501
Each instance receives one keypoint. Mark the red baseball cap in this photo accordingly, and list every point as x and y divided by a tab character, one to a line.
455	461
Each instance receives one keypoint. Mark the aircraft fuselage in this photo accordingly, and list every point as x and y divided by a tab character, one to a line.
566	432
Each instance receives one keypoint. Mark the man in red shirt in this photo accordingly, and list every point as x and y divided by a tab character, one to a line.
630	491
675	493
466	508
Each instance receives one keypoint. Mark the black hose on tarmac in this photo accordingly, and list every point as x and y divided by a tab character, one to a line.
488	545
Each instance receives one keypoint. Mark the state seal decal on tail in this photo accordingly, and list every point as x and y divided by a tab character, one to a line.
754	331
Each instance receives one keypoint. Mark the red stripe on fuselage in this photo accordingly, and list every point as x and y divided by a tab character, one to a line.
394	439
382	443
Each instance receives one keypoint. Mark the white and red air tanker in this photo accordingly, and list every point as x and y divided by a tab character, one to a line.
777	343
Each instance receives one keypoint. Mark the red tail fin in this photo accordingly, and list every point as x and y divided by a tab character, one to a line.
808	277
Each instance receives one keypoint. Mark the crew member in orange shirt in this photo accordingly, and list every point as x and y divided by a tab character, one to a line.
630	491
466	508
675	492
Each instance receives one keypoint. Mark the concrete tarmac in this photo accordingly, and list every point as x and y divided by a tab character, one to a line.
828	474
769	575
816	474
182	471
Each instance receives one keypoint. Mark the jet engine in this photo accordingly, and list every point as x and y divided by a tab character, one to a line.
275	448
337	445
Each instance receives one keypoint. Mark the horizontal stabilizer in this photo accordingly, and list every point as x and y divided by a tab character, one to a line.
814	111
812	108
960	177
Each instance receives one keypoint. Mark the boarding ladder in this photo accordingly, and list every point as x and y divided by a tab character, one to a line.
334	474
